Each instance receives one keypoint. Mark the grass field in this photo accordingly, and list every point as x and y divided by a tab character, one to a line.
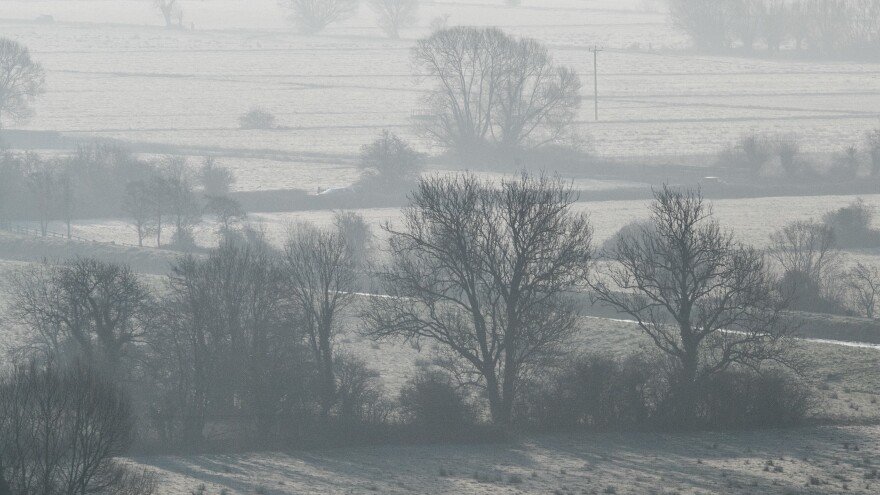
133	80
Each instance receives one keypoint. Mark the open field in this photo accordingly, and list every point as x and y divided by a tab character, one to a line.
132	80
752	220
836	459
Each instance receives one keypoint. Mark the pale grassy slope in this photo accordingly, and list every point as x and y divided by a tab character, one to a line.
757	462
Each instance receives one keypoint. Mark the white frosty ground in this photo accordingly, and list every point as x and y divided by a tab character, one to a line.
806	460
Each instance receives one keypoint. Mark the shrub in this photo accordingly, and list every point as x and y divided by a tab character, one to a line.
389	162
633	228
256	118
852	226
593	391
435	406
360	398
747	399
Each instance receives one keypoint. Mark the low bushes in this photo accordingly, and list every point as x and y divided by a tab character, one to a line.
606	393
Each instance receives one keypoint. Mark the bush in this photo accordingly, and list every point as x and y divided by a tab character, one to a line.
256	118
593	391
389	163
805	293
360	398
633	228
852	226
741	399
599	392
435	406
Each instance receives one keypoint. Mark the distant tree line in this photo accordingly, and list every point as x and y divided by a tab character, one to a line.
782	155
245	344
163	199
830	28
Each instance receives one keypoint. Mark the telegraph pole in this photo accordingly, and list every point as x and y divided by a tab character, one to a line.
596	51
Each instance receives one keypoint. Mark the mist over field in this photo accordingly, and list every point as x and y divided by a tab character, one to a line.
448	246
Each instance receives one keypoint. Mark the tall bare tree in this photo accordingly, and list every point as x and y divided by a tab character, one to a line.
805	247
313	16
705	300
322	276
21	81
102	308
61	430
863	287
484	272
392	15
171	10
491	88
137	203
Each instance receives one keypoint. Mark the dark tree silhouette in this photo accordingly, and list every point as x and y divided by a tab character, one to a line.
485	273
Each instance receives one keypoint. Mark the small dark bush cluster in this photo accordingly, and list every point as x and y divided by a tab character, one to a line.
852	226
601	392
435	407
257	118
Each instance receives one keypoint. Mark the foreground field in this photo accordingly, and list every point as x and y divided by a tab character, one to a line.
813	460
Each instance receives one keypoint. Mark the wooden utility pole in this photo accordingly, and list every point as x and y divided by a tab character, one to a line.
596	51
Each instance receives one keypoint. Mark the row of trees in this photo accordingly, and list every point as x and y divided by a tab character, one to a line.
827	27
488	273
814	277
99	180
763	154
313	16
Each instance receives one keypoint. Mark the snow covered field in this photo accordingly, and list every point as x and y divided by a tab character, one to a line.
133	80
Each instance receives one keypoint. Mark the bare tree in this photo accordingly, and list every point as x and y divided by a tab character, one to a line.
709	24
42	181
484	272
872	144
392	15
228	212
313	16
21	81
390	162
705	300
226	338
322	276
805	247
863	286
358	235
138	204
183	206
102	308
61	430
215	180
171	10
491	88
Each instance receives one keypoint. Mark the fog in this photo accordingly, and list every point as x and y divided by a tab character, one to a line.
449	246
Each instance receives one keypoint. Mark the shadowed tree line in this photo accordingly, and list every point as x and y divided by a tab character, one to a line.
241	348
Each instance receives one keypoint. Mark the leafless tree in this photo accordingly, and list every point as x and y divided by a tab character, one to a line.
226	335
21	81
358	235
182	206
60	431
322	277
484	272
705	300
390	162
215	180
392	15
709	24
872	144
171	10
102	308
138	204
863	287
228	211
42	181
491	88
313	16
805	247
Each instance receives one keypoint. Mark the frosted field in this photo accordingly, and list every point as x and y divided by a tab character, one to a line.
752	220
133	80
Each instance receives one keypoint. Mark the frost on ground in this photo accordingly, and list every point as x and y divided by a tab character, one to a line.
809	460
